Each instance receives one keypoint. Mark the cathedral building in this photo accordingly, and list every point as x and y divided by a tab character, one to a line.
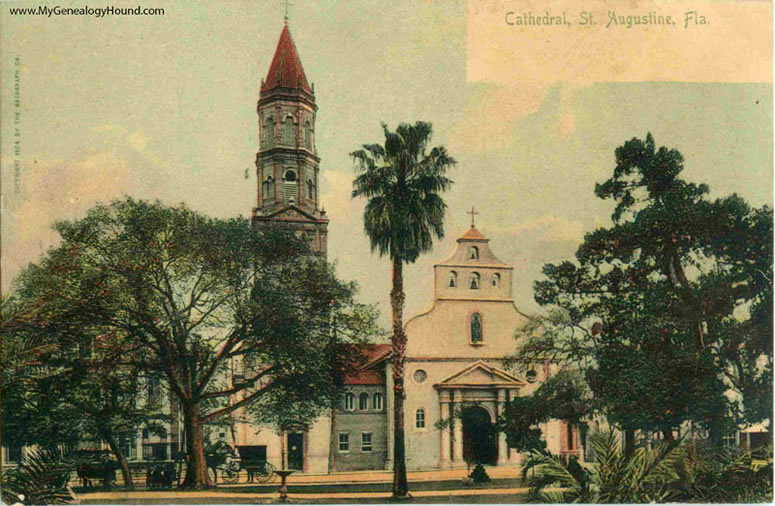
454	367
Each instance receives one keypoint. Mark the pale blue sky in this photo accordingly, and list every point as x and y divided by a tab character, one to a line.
164	107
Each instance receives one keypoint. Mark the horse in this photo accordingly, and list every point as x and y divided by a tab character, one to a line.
105	471
160	477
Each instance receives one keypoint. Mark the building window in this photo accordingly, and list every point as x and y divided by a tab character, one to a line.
128	445
473	253
344	442
310	190
420	376
146	434
532	376
14	453
496	279
452	279
288	133
366	441
419	418
569	438
289	186
363	401
268	188
729	440
154	390
349	402
268	138
476	328
307	135
474	283
378	402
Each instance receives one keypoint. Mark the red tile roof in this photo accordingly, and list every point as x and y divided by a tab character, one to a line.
368	375
286	70
473	234
365	378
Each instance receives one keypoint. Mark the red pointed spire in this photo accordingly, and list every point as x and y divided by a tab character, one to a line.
286	69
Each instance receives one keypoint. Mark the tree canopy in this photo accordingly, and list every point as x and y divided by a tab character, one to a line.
668	310
191	297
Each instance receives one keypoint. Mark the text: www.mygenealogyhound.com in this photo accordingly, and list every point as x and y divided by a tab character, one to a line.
99	12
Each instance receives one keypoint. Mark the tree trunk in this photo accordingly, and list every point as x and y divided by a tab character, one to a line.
400	483
122	462
196	467
332	442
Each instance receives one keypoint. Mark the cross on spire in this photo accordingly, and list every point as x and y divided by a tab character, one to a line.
287	4
473	214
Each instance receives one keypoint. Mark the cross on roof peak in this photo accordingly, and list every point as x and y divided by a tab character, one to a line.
473	214
287	4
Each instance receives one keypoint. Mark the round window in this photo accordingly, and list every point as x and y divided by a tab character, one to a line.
420	376
532	376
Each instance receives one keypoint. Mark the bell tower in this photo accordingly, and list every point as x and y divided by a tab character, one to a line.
287	165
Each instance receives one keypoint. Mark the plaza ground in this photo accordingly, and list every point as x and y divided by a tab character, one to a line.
374	487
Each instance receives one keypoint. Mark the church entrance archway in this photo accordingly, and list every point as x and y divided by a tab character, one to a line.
479	437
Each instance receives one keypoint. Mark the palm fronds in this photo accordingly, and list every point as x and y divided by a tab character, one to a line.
41	478
649	475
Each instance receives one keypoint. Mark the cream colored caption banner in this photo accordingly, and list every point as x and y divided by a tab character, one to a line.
618	40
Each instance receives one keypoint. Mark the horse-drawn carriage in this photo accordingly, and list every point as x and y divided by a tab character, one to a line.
222	460
96	465
253	461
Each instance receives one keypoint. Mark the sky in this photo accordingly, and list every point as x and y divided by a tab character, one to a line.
164	107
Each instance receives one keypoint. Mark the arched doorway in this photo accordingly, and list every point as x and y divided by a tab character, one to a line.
479	443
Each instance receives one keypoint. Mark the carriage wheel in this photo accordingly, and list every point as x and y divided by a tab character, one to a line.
267	475
230	473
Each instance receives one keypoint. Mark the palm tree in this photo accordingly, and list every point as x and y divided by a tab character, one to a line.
648	475
402	182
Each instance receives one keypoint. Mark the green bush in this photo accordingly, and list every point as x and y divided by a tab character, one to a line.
666	472
479	475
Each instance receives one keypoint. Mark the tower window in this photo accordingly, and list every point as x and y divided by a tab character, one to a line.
289	186
496	279
310	190
268	188
473	253
474	282
476	328
288	133
363	401
378	402
307	135
419	418
452	279
267	140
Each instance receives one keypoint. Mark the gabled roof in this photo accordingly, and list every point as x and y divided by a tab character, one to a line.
286	70
479	374
370	374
